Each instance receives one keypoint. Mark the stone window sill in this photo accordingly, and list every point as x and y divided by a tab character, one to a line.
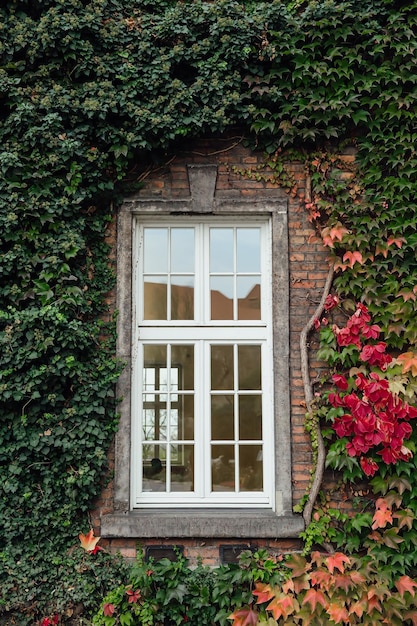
216	523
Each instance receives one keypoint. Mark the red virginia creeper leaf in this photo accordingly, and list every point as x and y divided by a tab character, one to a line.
411	615
332	234
314	596
382	515
336	561
263	593
353	257
108	609
244	617
338	613
282	605
405	583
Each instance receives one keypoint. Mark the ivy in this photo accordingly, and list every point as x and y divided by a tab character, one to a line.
92	92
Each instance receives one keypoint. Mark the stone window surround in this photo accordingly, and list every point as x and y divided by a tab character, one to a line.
193	522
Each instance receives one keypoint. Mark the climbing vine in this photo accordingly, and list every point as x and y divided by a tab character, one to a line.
93	92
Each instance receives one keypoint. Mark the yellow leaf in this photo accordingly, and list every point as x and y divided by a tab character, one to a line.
408	360
88	541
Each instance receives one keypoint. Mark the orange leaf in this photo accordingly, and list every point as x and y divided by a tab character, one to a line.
411	615
322	579
336	561
338	265
88	541
338	613
334	233
353	257
407	295
357	578
382	515
397	240
343	581
358	607
314	596
282	606
244	617
288	586
263	593
405	583
409	362
373	602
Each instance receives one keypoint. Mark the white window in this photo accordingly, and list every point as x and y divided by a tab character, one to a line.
202	387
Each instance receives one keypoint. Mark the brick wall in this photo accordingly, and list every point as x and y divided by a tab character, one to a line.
308	271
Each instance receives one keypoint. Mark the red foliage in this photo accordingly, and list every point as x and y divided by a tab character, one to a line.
332	589
375	419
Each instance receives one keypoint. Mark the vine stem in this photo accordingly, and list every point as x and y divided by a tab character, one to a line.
309	396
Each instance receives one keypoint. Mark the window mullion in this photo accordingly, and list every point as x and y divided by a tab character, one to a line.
236	415
168	420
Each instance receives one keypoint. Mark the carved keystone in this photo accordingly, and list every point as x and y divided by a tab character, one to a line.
202	179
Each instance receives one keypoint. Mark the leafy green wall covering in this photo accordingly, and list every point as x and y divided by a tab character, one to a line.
90	93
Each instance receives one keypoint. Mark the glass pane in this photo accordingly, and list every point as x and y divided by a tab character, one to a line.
248	250
155	250
148	424
182	250
251	468
221	296
250	417
182	297
222	367
174	377
182	357
163	379
154	420
223	468
149	381
182	467
155	298
154	471
222	422
160	420
249	368
174	424
221	250
249	298
187	432
155	355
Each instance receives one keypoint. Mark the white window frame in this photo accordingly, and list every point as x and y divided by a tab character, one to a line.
203	332
119	518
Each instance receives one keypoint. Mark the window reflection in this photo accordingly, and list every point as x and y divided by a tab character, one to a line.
223	468
168	417
182	298
249	298
168	277
222	417
248	250
221	250
182	250
155	250
235	273
250	469
155	298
